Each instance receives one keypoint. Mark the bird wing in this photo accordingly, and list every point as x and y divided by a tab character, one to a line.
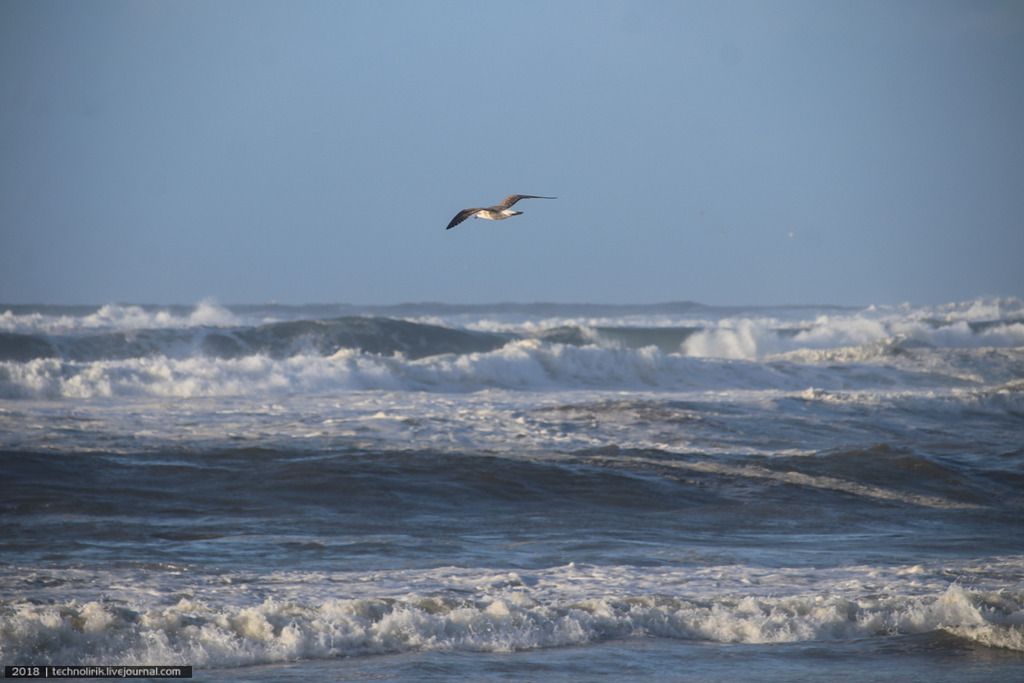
513	198
461	216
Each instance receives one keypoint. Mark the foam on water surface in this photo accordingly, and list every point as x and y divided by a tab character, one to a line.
232	486
235	620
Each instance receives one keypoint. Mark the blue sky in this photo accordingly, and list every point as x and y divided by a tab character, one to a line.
724	152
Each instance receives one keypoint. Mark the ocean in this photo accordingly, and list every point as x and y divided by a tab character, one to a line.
515	492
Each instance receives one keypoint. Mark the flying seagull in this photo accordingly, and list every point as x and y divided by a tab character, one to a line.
498	212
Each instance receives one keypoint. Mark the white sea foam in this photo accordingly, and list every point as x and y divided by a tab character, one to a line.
309	616
192	377
978	309
526	364
740	339
847	338
118	317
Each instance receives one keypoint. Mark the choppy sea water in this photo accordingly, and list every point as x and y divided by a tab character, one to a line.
515	492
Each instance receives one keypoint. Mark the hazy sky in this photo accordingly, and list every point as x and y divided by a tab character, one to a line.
724	152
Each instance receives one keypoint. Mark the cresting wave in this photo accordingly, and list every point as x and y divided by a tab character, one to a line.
120	332
380	336
112	317
211	351
211	635
526	364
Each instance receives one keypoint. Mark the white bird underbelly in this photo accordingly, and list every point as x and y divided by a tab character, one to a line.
497	215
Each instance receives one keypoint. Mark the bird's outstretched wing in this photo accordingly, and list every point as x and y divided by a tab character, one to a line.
461	216
513	198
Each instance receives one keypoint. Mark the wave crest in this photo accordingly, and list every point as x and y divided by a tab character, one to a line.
277	631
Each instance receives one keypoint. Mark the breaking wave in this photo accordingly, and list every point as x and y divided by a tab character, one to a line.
381	336
525	364
210	350
212	635
114	317
851	337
